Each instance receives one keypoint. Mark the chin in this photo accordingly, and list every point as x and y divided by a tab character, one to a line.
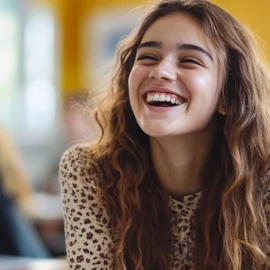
155	131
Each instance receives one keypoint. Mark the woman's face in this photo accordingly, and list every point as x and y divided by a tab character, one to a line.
175	82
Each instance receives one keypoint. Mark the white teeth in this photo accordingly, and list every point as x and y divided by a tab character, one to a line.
168	98
162	98
156	97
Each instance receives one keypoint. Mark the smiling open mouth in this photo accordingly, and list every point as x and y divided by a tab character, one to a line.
163	100
162	104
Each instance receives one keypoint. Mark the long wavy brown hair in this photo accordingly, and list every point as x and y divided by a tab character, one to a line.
231	230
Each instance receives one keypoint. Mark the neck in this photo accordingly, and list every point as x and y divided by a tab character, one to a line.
179	161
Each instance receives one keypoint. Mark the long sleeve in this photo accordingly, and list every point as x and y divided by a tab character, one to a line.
88	238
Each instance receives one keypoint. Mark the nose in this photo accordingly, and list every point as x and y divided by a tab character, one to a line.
164	71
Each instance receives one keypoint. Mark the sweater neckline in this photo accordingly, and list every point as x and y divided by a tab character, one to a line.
190	199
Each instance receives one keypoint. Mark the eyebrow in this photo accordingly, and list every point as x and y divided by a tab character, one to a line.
158	44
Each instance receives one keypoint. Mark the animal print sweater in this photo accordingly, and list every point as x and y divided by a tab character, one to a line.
88	238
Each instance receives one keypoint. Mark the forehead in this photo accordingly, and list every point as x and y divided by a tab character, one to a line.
178	27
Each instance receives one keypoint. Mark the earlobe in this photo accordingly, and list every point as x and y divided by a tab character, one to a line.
222	108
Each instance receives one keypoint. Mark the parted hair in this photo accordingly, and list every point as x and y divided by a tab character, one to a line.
231	228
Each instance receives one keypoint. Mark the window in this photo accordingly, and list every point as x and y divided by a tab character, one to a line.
10	63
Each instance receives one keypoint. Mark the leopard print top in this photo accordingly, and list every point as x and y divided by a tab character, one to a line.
88	239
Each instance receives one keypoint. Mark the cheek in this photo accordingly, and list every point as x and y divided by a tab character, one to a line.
204	91
131	87
131	81
135	80
205	87
135	77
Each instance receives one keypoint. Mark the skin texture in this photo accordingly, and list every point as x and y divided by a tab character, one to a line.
180	136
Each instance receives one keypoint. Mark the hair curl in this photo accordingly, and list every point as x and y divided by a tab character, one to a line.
231	233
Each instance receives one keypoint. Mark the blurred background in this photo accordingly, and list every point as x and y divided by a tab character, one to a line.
54	53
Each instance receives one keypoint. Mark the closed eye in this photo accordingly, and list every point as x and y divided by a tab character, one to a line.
147	57
191	60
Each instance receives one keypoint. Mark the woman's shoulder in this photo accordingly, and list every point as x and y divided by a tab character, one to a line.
77	163
87	222
79	152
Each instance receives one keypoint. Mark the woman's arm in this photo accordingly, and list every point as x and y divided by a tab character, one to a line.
88	240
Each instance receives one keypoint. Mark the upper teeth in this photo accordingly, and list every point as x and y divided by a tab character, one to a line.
162	97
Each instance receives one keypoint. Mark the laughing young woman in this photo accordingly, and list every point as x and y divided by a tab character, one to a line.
179	178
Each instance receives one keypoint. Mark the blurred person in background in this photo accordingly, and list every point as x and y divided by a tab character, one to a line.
180	176
18	234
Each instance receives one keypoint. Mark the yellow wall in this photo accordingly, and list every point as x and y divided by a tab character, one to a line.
254	14
70	15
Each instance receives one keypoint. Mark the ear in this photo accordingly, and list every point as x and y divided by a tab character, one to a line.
221	106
